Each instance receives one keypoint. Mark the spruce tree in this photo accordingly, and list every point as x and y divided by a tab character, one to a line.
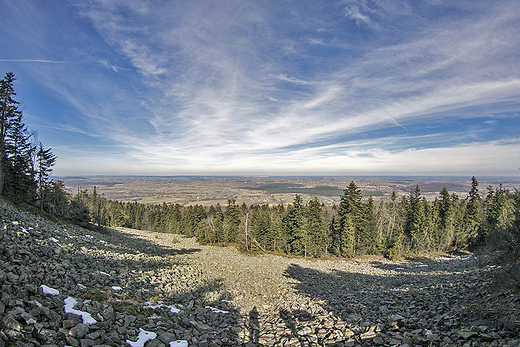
44	162
295	227
8	111
316	229
231	221
352	207
16	150
446	221
347	246
415	218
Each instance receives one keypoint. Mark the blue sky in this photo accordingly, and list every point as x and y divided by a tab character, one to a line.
376	87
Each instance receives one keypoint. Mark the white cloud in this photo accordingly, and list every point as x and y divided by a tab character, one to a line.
234	85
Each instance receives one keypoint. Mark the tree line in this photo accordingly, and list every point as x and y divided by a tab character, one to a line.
25	164
356	226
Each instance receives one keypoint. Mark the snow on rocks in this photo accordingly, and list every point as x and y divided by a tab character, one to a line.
160	304
142	338
69	308
216	296
216	310
49	290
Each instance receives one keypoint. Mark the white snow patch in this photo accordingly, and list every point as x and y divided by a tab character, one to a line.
69	308
15	222
82	286
49	290
142	338
104	273
53	239
216	310
173	308
89	236
179	343
116	288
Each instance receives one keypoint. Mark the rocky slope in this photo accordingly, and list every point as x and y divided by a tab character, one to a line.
66	286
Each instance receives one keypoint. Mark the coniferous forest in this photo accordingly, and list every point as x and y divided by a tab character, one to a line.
394	228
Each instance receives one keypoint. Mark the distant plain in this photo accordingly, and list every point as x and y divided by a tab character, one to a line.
210	190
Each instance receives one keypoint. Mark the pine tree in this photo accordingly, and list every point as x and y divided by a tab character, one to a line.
44	162
261	226
351	202
231	222
352	206
8	111
16	150
347	246
316	229
446	221
277	236
369	242
499	210
415	218
335	235
472	219
295	227
97	208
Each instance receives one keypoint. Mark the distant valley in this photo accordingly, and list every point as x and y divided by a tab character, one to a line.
205	190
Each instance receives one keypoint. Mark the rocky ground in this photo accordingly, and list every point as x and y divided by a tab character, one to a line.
66	286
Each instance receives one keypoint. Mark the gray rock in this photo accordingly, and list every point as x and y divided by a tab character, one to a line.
87	343
9	323
166	337
155	343
304	331
79	331
467	334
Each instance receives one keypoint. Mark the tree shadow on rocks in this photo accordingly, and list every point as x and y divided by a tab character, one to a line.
124	290
125	243
401	299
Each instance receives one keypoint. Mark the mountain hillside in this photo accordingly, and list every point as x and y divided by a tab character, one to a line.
66	286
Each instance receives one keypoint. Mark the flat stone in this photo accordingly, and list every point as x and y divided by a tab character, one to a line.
79	331
8	322
87	343
367	335
487	337
378	340
467	334
166	337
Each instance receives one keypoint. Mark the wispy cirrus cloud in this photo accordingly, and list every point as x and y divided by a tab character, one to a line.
33	61
241	85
